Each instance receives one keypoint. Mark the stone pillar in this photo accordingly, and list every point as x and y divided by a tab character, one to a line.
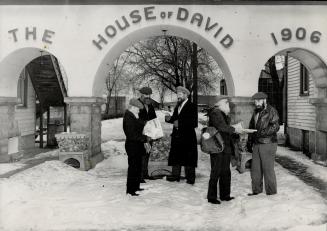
85	118
8	125
321	128
241	110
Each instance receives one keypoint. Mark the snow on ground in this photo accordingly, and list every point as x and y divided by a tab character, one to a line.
112	129
55	196
315	169
8	167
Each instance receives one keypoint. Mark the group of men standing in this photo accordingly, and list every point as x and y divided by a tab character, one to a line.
183	151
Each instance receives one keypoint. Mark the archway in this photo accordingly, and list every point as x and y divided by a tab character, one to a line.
37	84
155	31
300	98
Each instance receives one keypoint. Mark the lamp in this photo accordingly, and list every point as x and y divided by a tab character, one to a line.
41	59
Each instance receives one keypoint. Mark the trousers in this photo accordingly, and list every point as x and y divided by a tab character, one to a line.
263	161
220	171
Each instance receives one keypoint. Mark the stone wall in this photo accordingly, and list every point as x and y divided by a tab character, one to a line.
8	125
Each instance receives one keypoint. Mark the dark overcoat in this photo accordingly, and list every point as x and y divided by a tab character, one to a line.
184	151
221	122
147	115
133	129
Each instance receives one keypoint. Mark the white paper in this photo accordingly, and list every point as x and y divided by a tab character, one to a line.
153	129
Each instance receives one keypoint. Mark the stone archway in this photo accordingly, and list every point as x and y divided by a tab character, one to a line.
18	123
318	70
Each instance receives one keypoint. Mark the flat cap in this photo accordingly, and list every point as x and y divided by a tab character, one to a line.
260	95
146	91
183	89
136	103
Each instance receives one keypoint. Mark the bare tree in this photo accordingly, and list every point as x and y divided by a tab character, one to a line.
168	60
114	80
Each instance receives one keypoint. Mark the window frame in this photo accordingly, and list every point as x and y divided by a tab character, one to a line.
22	88
223	87
304	81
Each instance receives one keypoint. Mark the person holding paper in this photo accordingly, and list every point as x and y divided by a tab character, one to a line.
134	145
220	162
146	113
183	151
264	145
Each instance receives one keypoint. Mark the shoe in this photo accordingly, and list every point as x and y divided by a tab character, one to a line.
252	194
133	193
172	179
142	181
270	194
214	201
149	178
229	198
140	189
190	182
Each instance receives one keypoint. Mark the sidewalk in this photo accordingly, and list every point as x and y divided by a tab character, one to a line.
31	158
298	164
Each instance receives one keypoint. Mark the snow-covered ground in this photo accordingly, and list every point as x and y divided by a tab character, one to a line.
55	196
315	169
4	167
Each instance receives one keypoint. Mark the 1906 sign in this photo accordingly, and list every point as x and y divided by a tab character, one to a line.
300	34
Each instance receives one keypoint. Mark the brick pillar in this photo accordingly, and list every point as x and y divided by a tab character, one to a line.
85	118
241	110
8	126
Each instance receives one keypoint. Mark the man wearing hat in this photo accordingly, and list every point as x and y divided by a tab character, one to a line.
183	151
220	162
264	145
134	145
146	113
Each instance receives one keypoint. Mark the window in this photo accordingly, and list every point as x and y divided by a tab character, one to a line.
22	89
223	87
304	81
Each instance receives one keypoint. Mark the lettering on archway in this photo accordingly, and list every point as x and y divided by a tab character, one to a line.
149	14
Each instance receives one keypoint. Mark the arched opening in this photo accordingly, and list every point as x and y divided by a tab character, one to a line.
38	81
152	31
295	80
73	162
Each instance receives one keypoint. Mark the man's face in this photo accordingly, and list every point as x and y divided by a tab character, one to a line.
181	96
223	105
259	104
146	99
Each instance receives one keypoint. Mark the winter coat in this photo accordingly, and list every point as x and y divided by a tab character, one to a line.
221	122
183	149
133	129
147	115
267	127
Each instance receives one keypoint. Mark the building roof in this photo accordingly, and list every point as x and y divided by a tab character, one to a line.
161	2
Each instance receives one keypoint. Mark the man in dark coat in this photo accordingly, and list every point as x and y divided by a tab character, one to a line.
183	151
220	162
146	113
264	145
134	145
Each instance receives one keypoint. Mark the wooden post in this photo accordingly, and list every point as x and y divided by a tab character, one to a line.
195	75
41	126
48	121
65	118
